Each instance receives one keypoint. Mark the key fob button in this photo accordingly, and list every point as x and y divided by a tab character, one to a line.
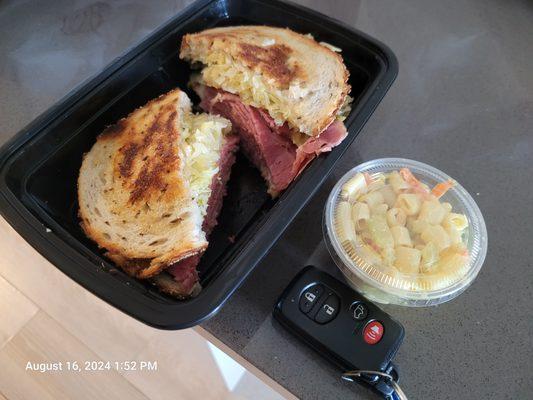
310	297
373	332
359	311
328	310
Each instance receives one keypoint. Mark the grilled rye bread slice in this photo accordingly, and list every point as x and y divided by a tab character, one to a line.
143	187
294	78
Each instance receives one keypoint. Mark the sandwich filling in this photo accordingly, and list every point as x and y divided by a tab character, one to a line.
285	94
222	71
209	155
203	140
269	145
184	273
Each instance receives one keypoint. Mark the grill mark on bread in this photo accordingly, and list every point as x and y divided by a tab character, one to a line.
271	60
153	174
129	152
160	139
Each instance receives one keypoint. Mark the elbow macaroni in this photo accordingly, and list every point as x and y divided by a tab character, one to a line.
346	228
360	215
397	183
389	197
401	236
353	187
396	217
458	221
380	232
400	225
409	203
432	212
380	208
437	235
407	260
373	199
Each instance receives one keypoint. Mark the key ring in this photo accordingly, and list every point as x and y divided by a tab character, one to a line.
347	376
398	393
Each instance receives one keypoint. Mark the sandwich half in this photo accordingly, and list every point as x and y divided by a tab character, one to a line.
285	94
151	188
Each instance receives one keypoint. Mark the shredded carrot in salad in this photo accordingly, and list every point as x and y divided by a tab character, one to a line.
368	178
464	252
373	245
408	176
441	188
438	191
416	185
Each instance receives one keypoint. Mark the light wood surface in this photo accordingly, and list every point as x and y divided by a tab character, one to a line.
43	340
15	308
46	317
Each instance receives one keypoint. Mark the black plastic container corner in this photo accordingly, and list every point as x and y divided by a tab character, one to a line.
39	166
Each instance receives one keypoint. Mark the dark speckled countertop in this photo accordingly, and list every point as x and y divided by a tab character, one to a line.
463	102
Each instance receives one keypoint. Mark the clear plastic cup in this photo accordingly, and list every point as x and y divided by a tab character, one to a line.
401	288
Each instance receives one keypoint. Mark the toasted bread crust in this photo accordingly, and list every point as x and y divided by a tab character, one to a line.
133	199
285	58
143	268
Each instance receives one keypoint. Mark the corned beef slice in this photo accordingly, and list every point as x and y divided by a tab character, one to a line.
184	272
266	144
219	183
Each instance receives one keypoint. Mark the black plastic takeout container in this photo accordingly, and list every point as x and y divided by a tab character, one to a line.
39	166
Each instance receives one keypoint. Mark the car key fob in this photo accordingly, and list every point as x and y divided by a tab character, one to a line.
338	322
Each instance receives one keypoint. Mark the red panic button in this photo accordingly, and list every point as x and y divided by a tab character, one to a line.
373	332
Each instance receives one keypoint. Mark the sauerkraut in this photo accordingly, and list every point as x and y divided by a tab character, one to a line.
203	137
221	71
